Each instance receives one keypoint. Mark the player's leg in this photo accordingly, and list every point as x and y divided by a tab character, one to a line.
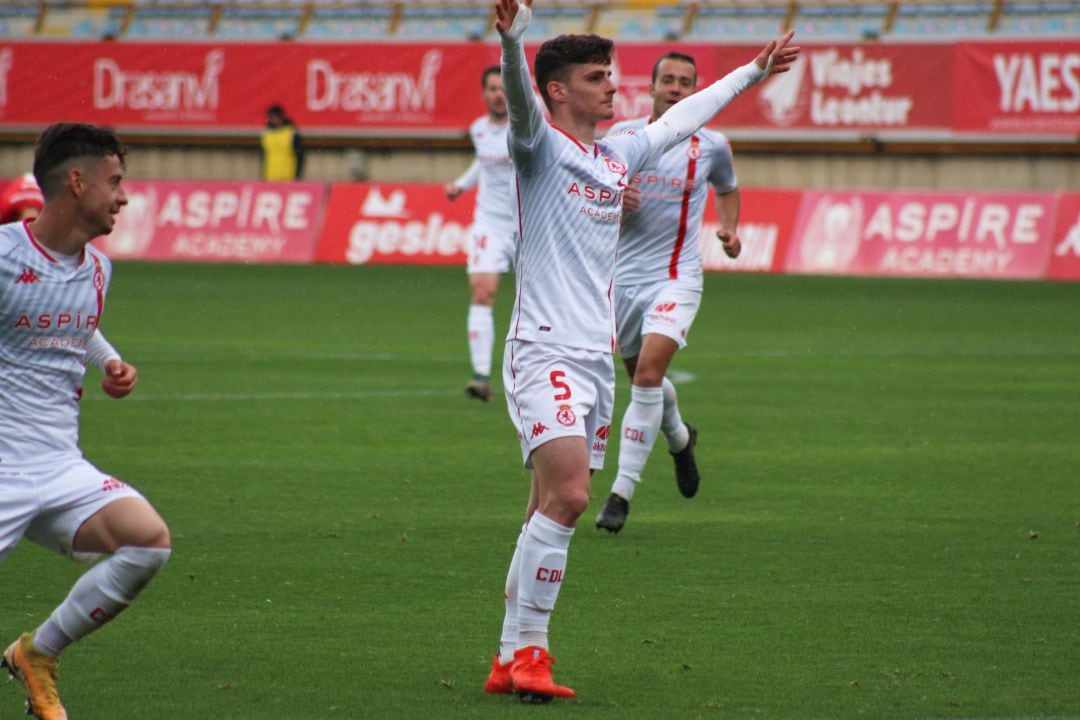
481	328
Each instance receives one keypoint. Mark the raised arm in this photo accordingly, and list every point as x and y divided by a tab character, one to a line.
691	114
526	116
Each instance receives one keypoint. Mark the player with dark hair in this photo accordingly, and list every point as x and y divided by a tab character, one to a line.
493	235
659	281
52	294
557	368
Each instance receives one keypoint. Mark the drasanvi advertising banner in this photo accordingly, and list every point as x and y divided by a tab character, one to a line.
217	222
429	90
923	234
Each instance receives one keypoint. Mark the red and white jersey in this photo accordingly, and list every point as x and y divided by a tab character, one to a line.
48	313
19	195
494	175
660	239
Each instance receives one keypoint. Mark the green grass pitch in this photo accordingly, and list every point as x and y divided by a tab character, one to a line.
888	527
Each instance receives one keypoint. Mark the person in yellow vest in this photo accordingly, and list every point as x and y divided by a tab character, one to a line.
282	147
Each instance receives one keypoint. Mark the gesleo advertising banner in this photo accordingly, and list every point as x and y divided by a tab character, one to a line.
766	222
923	234
1027	88
217	222
395	223
1065	254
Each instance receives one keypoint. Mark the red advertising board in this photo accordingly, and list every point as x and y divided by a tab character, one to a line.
415	89
1020	88
923	234
1065	252
218	222
766	222
394	223
370	88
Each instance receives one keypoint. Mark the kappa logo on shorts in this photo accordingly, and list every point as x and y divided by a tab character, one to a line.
566	416
538	429
112	484
28	277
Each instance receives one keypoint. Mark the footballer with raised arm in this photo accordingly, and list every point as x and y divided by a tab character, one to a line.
557	369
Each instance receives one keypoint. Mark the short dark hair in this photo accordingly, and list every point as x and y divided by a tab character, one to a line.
673	56
556	56
63	142
488	72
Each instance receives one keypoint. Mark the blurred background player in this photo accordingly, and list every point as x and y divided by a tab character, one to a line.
52	293
557	368
658	282
282	147
493	236
21	200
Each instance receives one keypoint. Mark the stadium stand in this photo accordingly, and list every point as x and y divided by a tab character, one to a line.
454	20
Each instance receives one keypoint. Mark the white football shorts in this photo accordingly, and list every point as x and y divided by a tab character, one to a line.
491	249
47	502
666	307
554	391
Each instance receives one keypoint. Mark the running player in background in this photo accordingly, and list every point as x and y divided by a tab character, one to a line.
557	369
658	282
493	236
21	200
52	293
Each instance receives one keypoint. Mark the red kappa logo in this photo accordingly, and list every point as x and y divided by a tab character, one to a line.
538	429
566	416
28	277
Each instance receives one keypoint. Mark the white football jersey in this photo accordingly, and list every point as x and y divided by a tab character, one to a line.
494	175
47	316
660	239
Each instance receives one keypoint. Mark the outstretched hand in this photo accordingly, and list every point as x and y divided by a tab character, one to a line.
506	11
782	55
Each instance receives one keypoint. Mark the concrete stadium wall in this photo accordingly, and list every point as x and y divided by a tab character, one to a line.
807	169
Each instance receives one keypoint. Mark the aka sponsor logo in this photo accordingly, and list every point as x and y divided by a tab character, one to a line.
538	429
842	89
386	228
549	575
163	95
664	307
388	94
57	321
7	60
600	444
565	416
112	485
27	277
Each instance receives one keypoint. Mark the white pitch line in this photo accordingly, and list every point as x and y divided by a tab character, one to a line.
254	397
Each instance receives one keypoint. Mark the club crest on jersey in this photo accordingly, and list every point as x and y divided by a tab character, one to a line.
615	166
566	416
694	151
99	279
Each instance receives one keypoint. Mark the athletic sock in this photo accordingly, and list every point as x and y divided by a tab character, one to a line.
481	338
543	564
99	595
509	637
640	425
674	428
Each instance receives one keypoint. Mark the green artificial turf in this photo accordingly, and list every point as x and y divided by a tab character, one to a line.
888	526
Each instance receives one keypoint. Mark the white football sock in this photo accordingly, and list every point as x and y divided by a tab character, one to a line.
673	426
640	425
99	595
543	564
481	338
509	637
